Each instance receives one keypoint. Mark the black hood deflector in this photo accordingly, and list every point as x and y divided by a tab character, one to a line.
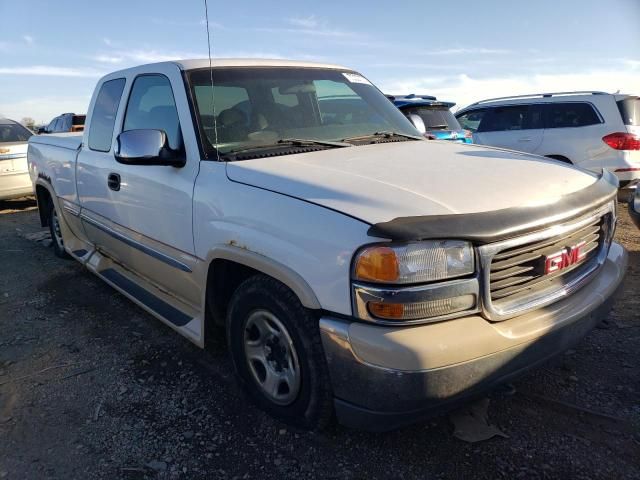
488	227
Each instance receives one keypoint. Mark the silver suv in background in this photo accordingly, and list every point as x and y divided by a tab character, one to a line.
592	130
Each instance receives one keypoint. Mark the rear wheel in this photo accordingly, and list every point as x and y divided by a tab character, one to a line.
56	234
277	353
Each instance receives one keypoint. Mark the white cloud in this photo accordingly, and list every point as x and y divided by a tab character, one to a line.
465	89
305	22
467	51
28	39
107	42
631	63
43	109
139	56
51	71
319	32
108	59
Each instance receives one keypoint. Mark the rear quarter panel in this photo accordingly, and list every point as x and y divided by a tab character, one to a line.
52	159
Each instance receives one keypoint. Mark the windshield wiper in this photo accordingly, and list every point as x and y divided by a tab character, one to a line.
383	135
438	127
286	142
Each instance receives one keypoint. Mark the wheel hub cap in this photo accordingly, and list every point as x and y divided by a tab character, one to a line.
272	357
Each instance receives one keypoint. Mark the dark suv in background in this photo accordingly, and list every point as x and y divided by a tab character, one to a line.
67	122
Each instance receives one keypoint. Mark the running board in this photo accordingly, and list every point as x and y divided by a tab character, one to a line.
159	306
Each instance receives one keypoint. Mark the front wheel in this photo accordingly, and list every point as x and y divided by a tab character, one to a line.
277	353
56	234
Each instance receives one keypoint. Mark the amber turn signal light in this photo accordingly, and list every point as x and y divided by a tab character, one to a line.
377	264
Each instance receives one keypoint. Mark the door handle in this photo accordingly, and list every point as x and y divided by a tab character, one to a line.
114	182
525	139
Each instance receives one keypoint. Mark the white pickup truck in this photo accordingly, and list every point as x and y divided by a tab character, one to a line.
358	270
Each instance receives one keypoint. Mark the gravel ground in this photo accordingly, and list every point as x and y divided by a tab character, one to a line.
93	387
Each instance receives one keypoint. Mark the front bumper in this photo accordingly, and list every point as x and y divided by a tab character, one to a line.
386	377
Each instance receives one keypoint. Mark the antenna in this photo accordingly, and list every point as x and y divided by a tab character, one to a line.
213	105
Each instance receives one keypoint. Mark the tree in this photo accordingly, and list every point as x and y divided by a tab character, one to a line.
28	122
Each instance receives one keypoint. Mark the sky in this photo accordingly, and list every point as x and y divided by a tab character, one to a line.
53	52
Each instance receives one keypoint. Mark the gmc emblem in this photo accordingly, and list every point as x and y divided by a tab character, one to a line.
564	258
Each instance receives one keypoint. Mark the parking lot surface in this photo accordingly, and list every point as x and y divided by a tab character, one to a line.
91	386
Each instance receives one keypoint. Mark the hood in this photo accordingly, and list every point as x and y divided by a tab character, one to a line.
379	182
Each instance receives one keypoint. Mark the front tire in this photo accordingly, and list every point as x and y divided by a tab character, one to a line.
57	241
277	353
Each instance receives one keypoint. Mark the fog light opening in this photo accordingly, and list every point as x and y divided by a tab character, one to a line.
419	310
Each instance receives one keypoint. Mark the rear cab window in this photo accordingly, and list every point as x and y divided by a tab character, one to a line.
630	110
103	118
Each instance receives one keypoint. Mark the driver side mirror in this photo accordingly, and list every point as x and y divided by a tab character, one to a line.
146	147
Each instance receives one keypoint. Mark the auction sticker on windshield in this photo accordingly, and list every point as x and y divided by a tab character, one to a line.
355	78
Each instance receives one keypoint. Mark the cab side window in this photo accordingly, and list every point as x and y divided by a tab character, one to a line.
104	115
152	106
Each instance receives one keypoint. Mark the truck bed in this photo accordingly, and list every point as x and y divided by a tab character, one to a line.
53	157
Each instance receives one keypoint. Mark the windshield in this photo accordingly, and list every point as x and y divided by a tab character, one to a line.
13	132
257	106
434	118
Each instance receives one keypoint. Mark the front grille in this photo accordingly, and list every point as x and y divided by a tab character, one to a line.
515	275
516	270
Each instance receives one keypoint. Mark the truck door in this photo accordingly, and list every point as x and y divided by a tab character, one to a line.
141	215
516	127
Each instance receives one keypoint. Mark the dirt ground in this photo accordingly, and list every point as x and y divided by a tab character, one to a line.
93	387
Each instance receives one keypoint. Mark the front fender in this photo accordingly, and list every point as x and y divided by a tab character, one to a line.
307	247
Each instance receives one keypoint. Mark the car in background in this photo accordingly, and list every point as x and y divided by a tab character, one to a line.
431	117
67	122
14	174
592	130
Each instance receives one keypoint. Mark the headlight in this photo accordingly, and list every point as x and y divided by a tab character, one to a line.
418	262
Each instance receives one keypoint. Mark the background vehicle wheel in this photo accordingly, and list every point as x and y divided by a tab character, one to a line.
56	234
277	353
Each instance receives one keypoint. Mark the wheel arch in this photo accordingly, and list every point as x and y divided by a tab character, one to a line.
228	266
45	198
560	158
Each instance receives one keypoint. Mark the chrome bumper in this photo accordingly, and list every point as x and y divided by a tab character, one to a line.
385	377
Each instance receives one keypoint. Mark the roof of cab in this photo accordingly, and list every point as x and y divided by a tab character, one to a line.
190	64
